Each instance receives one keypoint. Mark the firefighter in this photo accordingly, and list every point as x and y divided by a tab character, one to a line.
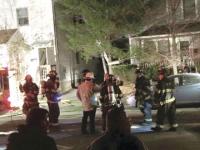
31	91
164	94
106	98
51	92
143	96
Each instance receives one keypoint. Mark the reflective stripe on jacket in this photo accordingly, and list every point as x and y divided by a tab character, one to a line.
165	90
168	101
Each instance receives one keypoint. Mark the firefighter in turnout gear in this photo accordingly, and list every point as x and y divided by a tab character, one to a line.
31	91
143	96
166	99
51	92
106	98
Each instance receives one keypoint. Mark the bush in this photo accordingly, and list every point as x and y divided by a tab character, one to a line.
125	72
151	72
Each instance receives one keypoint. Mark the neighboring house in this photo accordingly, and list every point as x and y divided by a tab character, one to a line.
38	44
31	44
159	35
33	20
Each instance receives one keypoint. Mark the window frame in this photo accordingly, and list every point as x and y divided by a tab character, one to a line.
187	14
24	17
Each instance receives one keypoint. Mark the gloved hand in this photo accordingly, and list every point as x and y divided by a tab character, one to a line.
161	103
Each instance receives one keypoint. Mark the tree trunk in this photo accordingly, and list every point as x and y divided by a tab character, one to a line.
174	54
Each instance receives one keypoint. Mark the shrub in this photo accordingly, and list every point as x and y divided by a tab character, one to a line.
125	72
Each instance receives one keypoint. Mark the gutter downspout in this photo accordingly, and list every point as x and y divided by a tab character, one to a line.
55	41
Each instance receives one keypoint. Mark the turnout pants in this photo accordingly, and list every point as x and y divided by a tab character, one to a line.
54	112
147	111
104	114
167	110
28	105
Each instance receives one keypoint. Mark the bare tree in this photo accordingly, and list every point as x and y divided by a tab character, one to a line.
169	21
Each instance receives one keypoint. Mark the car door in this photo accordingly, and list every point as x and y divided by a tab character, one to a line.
188	89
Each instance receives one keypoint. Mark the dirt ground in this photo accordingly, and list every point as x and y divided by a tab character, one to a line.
128	88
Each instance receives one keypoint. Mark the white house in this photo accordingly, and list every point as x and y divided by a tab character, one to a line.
34	23
38	43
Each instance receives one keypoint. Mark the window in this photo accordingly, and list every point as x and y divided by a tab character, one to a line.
174	7
198	6
149	46
184	45
163	47
42	56
178	81
188	80
179	13
22	16
189	8
195	51
184	49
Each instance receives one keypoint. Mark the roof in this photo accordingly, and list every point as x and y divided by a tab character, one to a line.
5	35
164	29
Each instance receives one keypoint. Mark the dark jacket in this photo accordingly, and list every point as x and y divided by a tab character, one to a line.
104	95
117	142
164	90
142	87
30	139
31	91
51	88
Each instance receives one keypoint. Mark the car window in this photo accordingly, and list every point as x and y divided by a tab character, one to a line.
177	81
188	80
